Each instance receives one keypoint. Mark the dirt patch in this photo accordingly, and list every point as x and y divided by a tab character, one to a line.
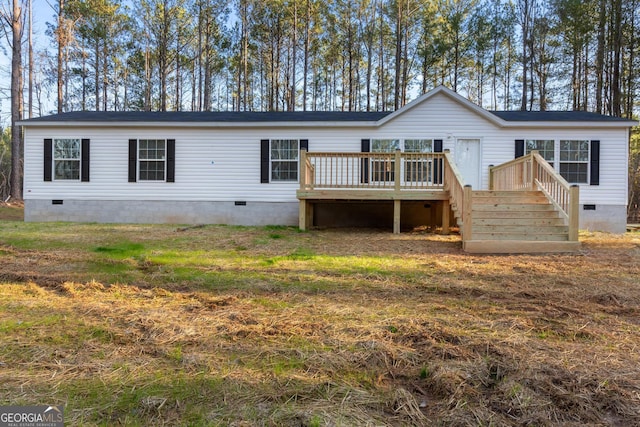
12	211
245	326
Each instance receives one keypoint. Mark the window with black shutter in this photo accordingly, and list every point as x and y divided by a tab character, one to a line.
152	160
66	159
279	159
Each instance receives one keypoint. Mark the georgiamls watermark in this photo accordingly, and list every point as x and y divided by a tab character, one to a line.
32	416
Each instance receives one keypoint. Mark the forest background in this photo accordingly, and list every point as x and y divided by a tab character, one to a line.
286	55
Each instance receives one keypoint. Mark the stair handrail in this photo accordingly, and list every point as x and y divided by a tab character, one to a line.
564	196
513	175
533	172
459	193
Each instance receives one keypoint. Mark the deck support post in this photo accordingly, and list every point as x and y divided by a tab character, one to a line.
302	215
467	217
397	178
396	216
446	219
574	213
305	215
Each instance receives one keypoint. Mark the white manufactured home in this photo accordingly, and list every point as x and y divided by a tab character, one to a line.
440	160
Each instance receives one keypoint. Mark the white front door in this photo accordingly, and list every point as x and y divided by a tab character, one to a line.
468	157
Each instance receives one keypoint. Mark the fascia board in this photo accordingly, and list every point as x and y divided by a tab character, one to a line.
572	125
212	125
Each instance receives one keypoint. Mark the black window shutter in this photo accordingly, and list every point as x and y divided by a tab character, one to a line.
133	160
519	148
304	143
84	163
595	163
365	147
264	161
437	164
48	159
171	160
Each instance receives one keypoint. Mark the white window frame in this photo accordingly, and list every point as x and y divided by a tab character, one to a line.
388	167
294	160
586	162
162	160
528	150
423	167
557	156
383	170
77	160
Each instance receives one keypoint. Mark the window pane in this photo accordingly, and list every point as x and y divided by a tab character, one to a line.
66	149
67	169
418	145
574	172
151	149
66	156
384	145
417	171
284	171
151	156
545	147
284	159
284	149
574	151
151	171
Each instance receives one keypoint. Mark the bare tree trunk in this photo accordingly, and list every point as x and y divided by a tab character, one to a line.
306	55
178	77
525	5
105	76
16	101
97	74
200	55
398	69
616	109
600	57
381	88
631	71
30	6
294	57
61	47
369	45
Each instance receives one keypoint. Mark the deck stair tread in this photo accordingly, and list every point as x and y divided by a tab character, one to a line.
515	222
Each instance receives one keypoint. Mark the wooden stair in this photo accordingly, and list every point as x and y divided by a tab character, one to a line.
516	222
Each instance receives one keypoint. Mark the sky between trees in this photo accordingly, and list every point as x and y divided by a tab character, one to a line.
357	55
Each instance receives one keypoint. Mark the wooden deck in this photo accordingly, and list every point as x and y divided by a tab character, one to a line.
529	208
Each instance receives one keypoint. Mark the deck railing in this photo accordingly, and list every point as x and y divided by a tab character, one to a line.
532	172
375	171
459	194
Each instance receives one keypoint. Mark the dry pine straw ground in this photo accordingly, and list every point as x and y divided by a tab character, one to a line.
418	333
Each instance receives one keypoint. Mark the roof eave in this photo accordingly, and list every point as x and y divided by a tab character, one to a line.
214	125
571	124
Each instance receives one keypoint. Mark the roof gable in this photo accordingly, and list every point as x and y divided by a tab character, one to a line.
459	99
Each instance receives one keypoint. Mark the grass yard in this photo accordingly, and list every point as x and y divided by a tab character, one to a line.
217	325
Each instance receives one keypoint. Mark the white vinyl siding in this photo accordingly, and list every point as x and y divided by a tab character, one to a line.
223	164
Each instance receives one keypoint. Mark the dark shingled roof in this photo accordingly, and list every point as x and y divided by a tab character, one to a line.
297	116
209	116
554	116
